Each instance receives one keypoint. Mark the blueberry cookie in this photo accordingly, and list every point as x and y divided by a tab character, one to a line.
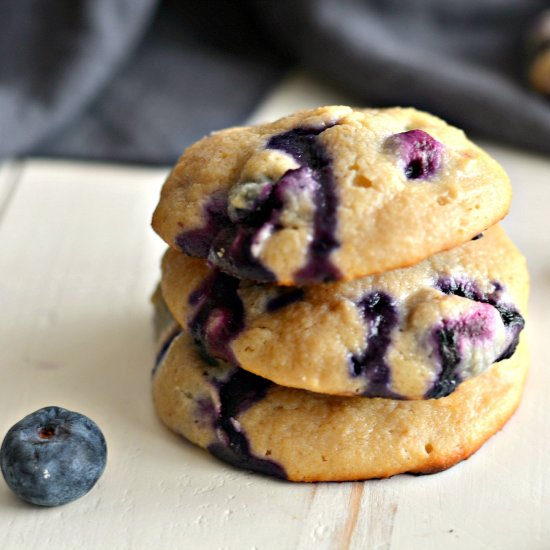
293	434
329	194
411	333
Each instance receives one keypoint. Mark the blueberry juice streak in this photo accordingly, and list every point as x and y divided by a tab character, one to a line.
218	315
303	145
380	312
241	390
447	349
420	153
235	248
232	236
449	339
197	242
447	336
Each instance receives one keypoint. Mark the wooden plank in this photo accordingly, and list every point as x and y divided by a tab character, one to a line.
78	262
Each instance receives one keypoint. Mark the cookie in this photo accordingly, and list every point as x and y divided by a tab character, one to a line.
328	194
411	333
254	424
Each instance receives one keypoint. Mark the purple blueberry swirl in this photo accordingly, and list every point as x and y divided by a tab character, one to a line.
237	225
218	315
449	336
236	394
379	311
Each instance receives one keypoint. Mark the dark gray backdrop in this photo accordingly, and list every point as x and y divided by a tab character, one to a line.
137	80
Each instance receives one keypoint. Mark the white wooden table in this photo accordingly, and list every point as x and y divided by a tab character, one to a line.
77	264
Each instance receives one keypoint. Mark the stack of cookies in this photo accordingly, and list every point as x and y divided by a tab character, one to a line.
337	301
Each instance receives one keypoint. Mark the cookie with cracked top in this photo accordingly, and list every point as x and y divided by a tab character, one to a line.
297	435
411	333
328	194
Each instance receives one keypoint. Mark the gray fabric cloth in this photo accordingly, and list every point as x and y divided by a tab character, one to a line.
133	80
465	61
122	79
173	89
56	57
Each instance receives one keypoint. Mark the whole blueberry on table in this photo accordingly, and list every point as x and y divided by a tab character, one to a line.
53	456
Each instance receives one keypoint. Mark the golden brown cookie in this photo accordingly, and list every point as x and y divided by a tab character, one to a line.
301	436
411	333
328	194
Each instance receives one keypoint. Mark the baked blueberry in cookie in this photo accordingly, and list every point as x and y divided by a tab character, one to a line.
316	170
231	392
419	153
236	394
451	339
256	210
218	314
330	194
511	318
381	315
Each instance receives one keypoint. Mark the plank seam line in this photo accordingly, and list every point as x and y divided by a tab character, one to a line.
354	506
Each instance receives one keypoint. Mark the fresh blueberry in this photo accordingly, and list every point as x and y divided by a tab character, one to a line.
419	153
53	456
